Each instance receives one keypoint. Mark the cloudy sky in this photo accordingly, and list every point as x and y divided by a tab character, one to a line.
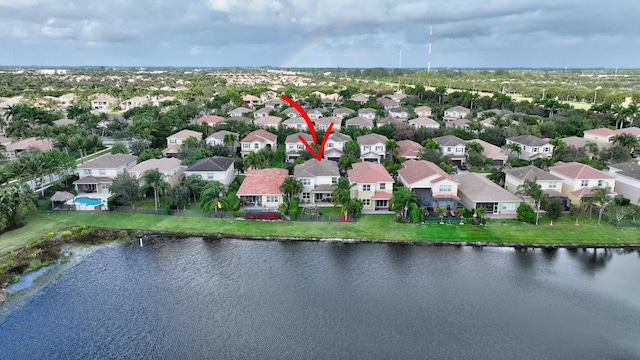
314	33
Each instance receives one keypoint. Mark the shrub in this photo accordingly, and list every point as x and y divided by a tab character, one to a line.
239	213
526	213
415	213
294	208
262	216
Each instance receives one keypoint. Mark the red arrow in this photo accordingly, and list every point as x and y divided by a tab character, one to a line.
317	155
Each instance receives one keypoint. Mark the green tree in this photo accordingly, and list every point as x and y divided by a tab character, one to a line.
254	160
210	196
119	148
402	199
480	212
601	196
533	190
576	211
627	140
474	148
441	212
514	148
554	209
525	213
126	189
154	179
178	196
290	187
341	195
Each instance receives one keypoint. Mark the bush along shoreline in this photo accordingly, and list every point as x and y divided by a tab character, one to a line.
48	250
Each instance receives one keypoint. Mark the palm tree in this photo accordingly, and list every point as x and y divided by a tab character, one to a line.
481	211
544	162
474	148
62	142
126	189
210	195
290	187
341	195
254	160
401	200
532	189
431	144
497	175
441	212
626	140
154	179
392	148
514	148
229	140
601	196
119	148
592	147
460	211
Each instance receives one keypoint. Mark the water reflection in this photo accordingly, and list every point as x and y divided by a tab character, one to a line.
592	260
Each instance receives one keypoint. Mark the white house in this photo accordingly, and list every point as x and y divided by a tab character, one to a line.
96	176
217	168
532	147
453	147
316	178
627	180
372	147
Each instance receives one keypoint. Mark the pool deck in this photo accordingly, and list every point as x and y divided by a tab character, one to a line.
86	207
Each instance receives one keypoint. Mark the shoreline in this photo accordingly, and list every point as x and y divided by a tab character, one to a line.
517	245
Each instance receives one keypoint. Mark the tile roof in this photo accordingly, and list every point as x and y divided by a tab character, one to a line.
389	121
184	134
358	121
458	109
600	131
339	137
478	188
630	130
381	195
219	135
40	144
293	138
89	180
295	120
243	119
421	120
260	135
531	172
528	140
409	148
415	170
343	110
329	119
631	170
579	171
368	172
163	165
108	161
371	139
313	168
209	119
268	120
263	182
216	163
449	140
491	151
366	111
422	109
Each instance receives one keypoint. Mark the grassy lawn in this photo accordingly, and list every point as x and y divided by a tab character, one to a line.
376	227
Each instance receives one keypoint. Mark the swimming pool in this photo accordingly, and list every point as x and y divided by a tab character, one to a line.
88	201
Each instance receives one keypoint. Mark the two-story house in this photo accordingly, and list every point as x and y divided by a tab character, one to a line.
409	149
103	102
174	142
498	155
549	183
604	135
223	138
578	180
135	102
274	104
360	99
316	178
374	185
627	180
399	112
211	120
373	147
251	101
434	187
324	122
216	168
453	147
258	140
294	146
387	103
314	114
367	113
456	112
96	176
335	146
297	123
265	111
531	147
291	112
170	167
389	121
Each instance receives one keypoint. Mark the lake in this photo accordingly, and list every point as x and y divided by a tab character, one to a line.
229	299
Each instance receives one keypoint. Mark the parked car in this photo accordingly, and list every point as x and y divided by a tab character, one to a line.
462	166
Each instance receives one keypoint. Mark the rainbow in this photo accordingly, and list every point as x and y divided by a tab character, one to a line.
311	45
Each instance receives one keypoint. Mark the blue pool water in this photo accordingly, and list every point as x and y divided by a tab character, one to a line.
260	210
88	201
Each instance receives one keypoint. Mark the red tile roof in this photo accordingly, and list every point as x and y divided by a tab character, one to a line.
209	119
260	135
580	171
263	182
409	148
600	131
416	170
381	195
368	173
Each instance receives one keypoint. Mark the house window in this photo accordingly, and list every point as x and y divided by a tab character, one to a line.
102	172
546	149
379	148
256	145
306	196
459	150
273	198
367	148
508	206
172	141
300	147
524	147
245	146
600	183
291	146
448	149
584	183
383	186
366	187
305	182
329	145
209	176
552	185
535	149
366	202
87	172
444	188
334	180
